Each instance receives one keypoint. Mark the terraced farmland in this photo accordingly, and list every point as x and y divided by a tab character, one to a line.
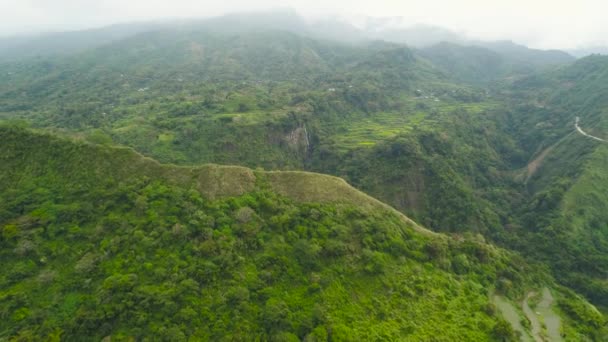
368	131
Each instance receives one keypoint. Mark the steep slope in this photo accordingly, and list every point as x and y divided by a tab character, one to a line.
466	172
212	181
99	241
435	174
564	221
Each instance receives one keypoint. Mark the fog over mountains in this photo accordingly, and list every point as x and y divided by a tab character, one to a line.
540	24
352	30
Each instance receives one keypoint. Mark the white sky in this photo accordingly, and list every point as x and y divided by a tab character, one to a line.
538	23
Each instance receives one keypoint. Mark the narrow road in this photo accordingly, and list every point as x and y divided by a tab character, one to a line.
535	325
583	132
544	322
551	319
510	314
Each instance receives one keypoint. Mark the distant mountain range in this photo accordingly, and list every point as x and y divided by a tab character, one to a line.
337	29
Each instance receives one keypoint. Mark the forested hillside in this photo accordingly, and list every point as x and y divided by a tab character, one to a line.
100	241
564	220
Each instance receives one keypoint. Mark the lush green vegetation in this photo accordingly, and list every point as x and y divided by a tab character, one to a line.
95	247
478	143
324	112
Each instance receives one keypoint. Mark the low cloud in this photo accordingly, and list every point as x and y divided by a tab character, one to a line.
539	23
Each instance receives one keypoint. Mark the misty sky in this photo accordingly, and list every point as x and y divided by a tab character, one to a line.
537	23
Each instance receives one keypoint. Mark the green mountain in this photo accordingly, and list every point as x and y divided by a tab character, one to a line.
185	97
100	241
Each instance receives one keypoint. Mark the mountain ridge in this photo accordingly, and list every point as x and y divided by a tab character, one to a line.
134	233
339	30
212	180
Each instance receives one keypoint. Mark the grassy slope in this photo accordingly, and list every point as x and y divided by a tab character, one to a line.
26	160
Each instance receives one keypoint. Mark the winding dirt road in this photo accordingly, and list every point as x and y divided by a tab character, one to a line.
583	132
545	324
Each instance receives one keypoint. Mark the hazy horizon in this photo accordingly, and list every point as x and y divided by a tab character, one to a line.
540	24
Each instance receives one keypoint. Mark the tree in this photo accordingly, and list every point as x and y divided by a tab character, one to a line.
503	331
